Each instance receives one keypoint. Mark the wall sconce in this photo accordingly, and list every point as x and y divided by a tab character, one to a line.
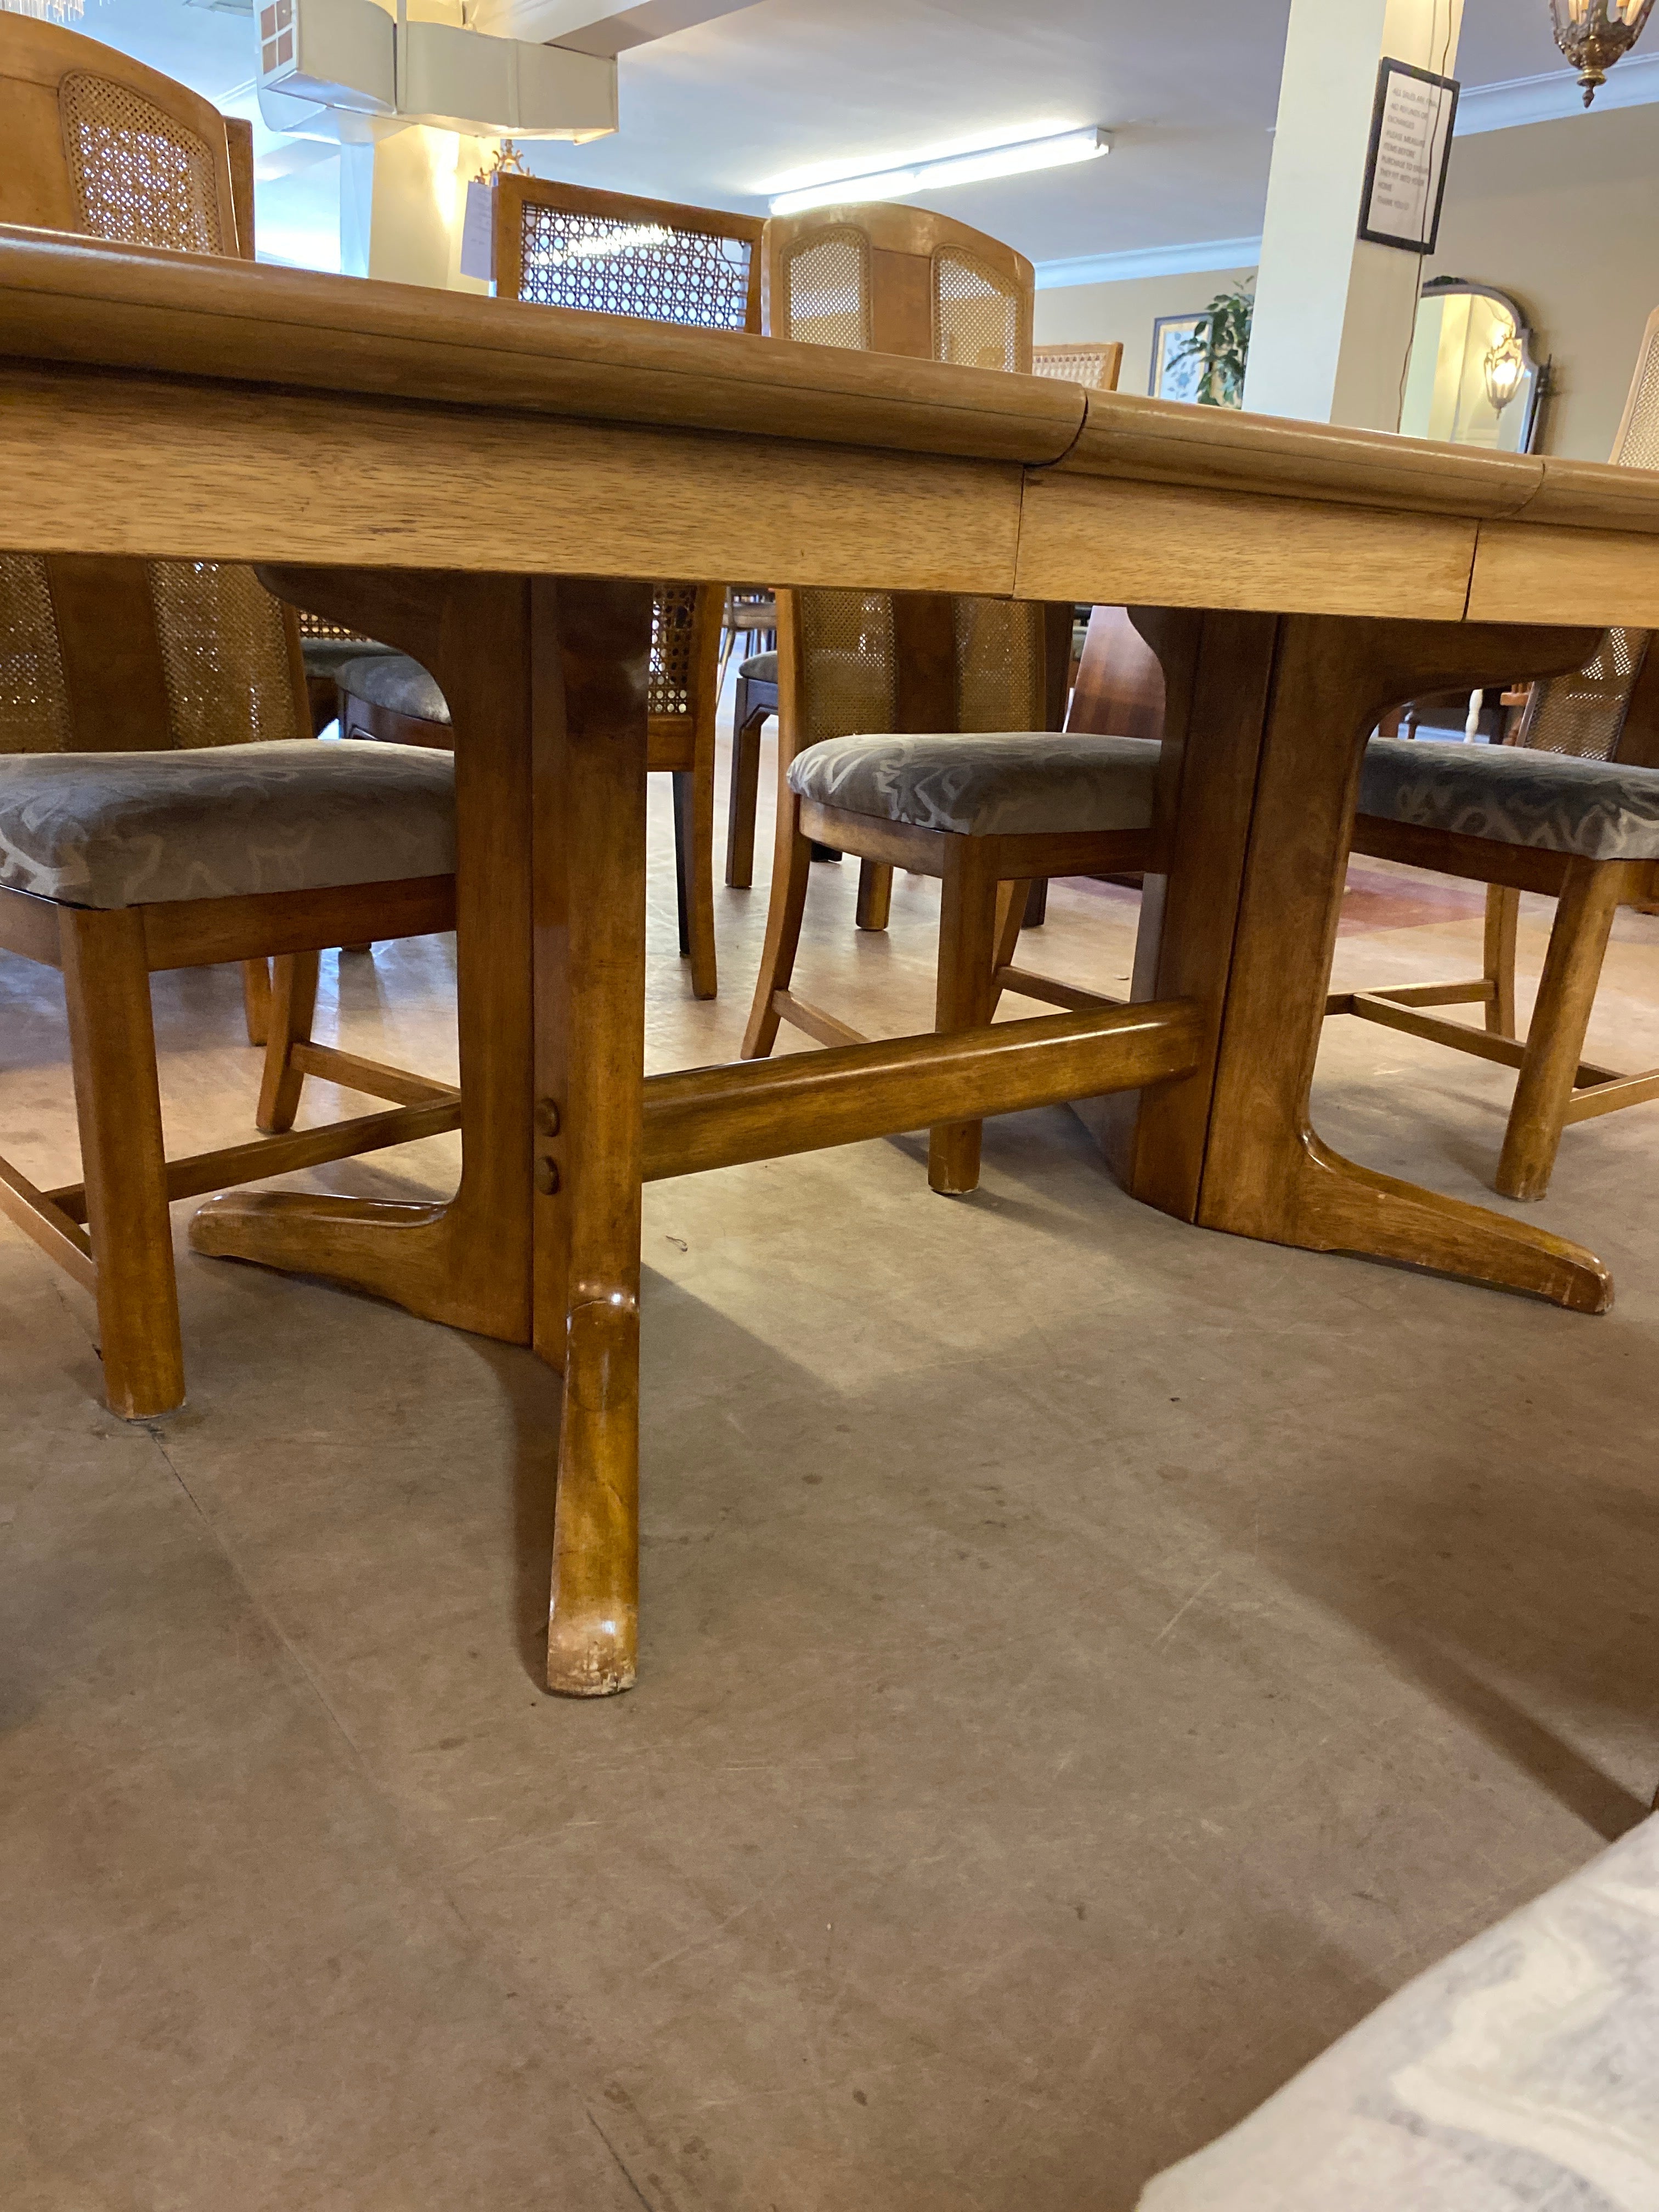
1593	33
1502	368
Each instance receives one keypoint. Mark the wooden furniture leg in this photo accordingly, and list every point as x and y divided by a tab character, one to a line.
256	1000
117	1108
1266	719
744	798
1498	962
968	947
465	1260
1011	902
1555	1036
875	898
591	643
694	857
293	1008
792	865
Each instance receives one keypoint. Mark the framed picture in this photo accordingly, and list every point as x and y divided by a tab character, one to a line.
1173	378
1406	164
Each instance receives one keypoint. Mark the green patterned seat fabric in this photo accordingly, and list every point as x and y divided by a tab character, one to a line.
116	829
1515	797
1000	784
760	668
392	680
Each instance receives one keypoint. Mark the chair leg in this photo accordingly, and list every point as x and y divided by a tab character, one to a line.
792	866
1555	1037
1011	919
256	1000
705	973
875	894
679	786
967	948
745	794
1036	904
117	1106
292	1005
1503	913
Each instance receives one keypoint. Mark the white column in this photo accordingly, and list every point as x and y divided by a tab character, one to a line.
403	200
1335	314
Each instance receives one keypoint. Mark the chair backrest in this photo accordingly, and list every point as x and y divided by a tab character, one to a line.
1085	362
610	254
115	655
886	279
1608	710
1119	692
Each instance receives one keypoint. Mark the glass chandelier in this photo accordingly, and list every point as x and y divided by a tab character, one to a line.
1593	33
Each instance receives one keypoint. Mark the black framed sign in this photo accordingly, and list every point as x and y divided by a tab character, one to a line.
1405	166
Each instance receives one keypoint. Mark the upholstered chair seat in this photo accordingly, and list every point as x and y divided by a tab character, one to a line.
760	668
394	682
993	784
120	830
327	656
1601	809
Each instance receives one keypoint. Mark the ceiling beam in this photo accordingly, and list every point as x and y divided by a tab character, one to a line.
594	26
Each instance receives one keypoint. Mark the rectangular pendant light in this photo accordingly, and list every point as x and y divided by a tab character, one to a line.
1051	153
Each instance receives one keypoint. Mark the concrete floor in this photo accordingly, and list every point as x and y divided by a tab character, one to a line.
1087	1661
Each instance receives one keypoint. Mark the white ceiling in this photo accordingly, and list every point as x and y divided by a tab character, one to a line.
717	114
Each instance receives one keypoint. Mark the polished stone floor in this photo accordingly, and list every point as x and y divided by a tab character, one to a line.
1087	1661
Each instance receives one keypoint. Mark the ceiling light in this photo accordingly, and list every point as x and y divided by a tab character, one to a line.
969	168
1593	34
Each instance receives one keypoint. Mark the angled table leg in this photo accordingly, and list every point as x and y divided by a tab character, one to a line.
466	1260
1267	720
591	646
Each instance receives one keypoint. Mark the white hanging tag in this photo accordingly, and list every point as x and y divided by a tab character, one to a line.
478	231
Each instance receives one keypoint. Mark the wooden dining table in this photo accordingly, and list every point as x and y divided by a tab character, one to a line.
491	487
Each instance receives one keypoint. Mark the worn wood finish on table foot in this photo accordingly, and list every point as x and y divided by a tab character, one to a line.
1266	718
465	1261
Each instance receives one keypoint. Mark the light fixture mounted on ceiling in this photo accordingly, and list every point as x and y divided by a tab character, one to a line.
1593	33
971	167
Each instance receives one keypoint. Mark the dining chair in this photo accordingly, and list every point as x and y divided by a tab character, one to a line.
326	647
163	802
1568	804
392	697
1093	363
564	245
923	730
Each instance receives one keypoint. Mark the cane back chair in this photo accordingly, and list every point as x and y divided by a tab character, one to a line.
1568	805
562	246
1096	364
162	801
920	729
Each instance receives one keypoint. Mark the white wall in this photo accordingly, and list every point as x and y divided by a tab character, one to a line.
1564	214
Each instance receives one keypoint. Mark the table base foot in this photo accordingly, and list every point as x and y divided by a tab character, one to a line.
1329	1204
593	1635
408	1254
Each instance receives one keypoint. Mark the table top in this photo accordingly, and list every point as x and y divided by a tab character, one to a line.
282	414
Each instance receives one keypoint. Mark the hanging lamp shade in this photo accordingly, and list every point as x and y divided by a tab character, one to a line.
1593	33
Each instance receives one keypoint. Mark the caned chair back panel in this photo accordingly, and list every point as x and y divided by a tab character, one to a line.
1095	366
101	145
885	279
609	253
1592	713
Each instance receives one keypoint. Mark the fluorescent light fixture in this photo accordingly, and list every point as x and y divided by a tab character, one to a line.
969	168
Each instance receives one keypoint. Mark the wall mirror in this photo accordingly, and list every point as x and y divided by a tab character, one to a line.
1473	379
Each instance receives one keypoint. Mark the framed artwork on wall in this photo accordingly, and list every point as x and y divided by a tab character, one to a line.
1173	377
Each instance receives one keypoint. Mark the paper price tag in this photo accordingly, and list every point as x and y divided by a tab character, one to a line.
478	231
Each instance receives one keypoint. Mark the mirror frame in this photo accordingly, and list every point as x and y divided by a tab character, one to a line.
1440	287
